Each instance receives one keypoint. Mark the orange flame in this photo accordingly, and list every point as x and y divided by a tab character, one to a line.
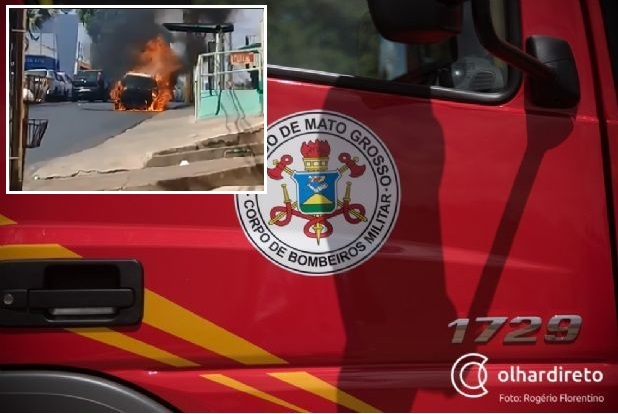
159	61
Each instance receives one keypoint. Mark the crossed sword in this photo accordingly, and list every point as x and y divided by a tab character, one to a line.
318	227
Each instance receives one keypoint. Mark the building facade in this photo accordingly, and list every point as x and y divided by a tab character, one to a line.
72	43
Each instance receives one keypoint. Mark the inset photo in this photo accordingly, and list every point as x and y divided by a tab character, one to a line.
131	100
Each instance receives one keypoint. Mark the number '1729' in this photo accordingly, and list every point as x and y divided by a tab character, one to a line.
524	329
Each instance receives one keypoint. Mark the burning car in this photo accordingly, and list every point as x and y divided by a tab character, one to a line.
138	91
148	86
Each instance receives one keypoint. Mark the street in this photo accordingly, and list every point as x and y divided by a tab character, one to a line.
74	127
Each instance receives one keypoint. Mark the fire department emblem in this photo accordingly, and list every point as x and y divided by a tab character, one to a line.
333	195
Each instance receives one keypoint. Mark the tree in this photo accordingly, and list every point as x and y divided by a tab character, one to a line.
35	19
86	15
334	36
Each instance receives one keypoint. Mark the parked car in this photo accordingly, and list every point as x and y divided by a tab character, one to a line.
68	85
85	86
55	88
138	91
27	95
37	85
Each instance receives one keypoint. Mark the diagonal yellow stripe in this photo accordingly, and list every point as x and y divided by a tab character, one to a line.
135	346
5	221
169	317
35	251
106	336
180	322
239	386
321	388
164	315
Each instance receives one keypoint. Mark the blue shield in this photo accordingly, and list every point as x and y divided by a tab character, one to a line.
316	191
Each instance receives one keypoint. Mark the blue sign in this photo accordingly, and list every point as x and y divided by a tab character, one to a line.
40	62
317	191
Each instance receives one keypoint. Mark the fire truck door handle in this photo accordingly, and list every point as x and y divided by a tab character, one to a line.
71	293
80	298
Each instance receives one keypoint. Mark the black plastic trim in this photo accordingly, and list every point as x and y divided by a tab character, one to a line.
42	390
420	91
481	12
610	11
33	290
605	149
199	27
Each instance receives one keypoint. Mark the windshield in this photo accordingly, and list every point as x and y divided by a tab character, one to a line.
37	72
87	76
139	82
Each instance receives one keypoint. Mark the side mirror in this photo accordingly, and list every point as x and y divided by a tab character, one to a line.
549	62
416	21
563	91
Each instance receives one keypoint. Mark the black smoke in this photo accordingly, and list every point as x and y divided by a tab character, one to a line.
215	16
196	44
120	34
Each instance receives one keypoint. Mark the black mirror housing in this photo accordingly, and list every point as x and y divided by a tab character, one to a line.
563	91
416	21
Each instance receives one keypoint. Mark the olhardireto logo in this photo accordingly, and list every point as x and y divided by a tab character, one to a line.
469	377
463	375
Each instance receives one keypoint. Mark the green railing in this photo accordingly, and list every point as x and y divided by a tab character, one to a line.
229	85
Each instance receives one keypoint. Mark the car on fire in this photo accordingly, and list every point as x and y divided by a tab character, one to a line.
137	91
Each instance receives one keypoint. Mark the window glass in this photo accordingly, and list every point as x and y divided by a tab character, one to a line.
139	82
610	13
87	76
339	37
37	72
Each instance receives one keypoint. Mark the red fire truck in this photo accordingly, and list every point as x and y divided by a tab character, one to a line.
439	235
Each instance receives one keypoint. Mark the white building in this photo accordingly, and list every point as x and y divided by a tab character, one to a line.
72	42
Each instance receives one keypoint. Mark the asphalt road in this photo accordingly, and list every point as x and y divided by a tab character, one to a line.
74	127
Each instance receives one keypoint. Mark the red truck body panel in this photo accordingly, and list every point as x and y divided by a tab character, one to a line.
503	212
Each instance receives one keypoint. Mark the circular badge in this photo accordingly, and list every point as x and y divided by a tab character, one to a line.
333	195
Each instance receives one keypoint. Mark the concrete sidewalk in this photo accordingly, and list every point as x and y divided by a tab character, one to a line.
224	174
168	133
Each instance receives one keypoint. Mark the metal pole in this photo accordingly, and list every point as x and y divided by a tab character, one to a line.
218	62
18	141
189	77
198	85
228	64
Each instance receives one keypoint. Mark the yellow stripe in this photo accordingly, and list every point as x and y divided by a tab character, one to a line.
239	386
134	346
46	2
164	315
106	336
321	388
5	221
182	323
35	251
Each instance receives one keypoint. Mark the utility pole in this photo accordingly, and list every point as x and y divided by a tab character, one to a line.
192	42
18	115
